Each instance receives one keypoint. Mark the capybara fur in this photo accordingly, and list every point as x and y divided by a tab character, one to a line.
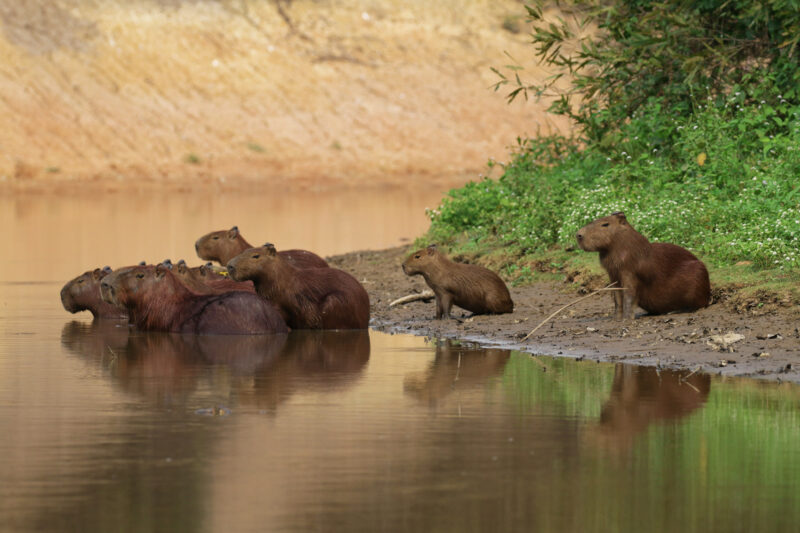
83	294
309	298
205	280
156	300
470	287
658	277
224	245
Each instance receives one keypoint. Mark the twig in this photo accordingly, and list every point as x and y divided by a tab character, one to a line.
425	295
542	323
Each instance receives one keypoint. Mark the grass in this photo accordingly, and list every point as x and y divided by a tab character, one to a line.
722	182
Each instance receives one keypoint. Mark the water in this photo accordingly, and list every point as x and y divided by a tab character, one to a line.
104	429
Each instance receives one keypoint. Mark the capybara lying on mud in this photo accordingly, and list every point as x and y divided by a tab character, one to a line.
83	294
222	246
310	298
204	280
156	300
658	277
470	287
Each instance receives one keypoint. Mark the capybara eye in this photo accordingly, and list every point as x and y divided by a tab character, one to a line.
416	256
81	280
140	275
215	237
256	256
605	225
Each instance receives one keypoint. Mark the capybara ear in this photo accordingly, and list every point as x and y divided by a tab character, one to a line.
233	232
167	263
96	273
182	268
161	270
142	263
431	249
270	248
620	217
182	263
107	269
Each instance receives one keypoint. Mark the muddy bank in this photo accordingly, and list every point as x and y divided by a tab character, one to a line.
719	339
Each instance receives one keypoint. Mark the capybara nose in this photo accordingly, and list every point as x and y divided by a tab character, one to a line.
579	236
196	247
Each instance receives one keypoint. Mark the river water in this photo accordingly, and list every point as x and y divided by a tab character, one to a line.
106	429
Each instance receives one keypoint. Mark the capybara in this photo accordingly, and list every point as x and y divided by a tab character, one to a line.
204	280
658	277
156	300
309	298
83	294
470	287
222	246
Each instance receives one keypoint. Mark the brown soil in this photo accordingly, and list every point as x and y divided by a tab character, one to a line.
770	347
237	93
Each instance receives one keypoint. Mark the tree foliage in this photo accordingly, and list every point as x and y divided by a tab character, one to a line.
621	55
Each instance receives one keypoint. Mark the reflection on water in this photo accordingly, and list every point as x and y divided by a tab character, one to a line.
109	429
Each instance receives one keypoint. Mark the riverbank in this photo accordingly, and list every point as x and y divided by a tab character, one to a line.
769	346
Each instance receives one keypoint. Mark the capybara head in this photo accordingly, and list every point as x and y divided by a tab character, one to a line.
601	233
250	263
421	260
221	246
80	293
120	287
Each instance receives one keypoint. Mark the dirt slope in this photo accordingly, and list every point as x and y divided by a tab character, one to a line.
310	91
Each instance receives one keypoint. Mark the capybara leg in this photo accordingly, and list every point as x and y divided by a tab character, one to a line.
617	303
439	307
444	303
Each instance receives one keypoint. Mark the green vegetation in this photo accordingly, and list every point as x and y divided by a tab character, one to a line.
192	159
688	117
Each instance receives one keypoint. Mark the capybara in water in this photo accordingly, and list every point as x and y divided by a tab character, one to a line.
222	246
658	277
309	298
156	300
204	280
83	294
470	287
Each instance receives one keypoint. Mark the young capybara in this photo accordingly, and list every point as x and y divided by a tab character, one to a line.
222	246
658	277
470	287
83	294
309	298
204	280
155	299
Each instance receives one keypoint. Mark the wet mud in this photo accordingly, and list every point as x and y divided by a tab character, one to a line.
726	338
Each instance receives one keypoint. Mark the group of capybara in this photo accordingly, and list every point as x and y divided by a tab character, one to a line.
262	290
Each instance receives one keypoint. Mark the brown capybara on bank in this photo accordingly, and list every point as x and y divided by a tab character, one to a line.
470	287
222	246
658	277
309	298
155	299
204	280
83	294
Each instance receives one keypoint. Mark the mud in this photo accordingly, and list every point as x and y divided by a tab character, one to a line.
730	337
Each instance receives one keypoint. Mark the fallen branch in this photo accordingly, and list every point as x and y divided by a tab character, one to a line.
425	296
608	287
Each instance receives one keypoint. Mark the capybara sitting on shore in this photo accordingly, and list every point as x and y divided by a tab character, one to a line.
156	300
309	298
222	246
470	287
83	294
204	280
658	277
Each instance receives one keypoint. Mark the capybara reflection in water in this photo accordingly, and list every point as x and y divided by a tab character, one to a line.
83	294
204	280
222	246
156	300
309	298
658	277
470	287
